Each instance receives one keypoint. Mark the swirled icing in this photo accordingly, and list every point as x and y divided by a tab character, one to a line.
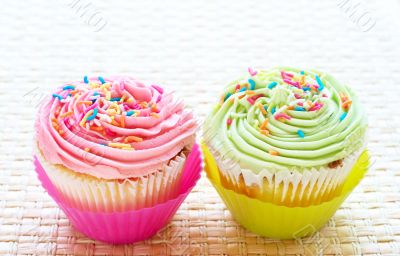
286	118
113	128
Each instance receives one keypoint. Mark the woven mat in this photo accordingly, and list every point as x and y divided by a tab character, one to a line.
195	47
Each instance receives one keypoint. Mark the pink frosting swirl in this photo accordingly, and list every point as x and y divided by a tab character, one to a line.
113	128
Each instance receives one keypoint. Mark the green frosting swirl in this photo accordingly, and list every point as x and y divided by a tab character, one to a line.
312	120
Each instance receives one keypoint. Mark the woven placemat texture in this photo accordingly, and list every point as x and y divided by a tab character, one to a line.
195	48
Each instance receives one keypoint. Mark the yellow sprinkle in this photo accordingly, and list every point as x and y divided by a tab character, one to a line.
111	111
93	85
108	95
119	145
130	100
265	132
155	115
83	121
249	92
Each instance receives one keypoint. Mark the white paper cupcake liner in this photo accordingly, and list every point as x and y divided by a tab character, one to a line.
89	193
291	186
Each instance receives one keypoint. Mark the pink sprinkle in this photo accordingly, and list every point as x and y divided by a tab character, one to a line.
229	121
286	75
300	103
297	96
282	115
252	72
158	88
316	106
109	132
237	87
324	95
158	98
291	82
251	100
92	107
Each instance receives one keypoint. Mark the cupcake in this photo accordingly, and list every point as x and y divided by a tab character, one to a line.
286	136
114	145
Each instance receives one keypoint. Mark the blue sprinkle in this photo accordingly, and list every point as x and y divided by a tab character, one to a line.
272	85
69	94
252	84
305	88
130	112
102	80
69	87
265	107
86	79
300	133
57	96
299	109
96	93
243	89
93	101
227	96
302	72
273	110
93	116
321	85
343	116
115	99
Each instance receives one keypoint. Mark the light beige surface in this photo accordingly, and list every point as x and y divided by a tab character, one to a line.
196	47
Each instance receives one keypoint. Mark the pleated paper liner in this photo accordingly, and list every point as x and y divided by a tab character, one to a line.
127	226
89	193
276	221
291	187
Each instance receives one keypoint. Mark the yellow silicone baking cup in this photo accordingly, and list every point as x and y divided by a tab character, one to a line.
275	221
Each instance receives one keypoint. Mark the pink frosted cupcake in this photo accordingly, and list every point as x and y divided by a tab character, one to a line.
113	144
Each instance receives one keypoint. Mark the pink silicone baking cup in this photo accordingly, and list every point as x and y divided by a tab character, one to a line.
129	226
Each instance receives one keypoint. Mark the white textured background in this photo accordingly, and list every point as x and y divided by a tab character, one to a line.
195	47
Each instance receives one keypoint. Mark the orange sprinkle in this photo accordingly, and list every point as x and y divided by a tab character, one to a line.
130	100
87	149
265	132
273	152
55	125
346	104
249	92
264	124
114	122
132	139
97	129
302	80
291	107
66	114
122	98
61	132
241	96
122	120
86	102
155	115
261	107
